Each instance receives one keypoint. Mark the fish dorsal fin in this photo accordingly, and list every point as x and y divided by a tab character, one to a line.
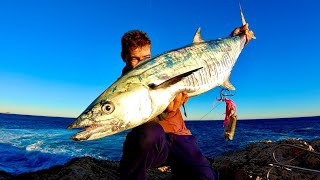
172	80
227	84
197	37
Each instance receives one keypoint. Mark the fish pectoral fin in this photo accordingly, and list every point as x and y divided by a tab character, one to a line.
197	37
172	80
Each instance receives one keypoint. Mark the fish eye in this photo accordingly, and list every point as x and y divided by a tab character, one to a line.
108	107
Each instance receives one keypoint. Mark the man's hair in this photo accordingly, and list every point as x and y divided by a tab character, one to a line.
134	39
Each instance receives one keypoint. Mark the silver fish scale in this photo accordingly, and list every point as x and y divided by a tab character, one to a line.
202	65
216	58
146	90
173	63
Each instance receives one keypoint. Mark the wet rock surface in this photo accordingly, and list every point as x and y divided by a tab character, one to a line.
253	162
266	160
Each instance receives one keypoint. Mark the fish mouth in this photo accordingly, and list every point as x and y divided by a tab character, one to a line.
99	130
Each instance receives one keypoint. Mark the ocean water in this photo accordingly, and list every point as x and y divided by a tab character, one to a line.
30	143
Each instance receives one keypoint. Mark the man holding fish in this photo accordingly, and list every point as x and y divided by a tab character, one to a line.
167	140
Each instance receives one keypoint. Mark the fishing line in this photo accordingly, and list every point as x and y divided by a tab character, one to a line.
222	96
210	110
285	165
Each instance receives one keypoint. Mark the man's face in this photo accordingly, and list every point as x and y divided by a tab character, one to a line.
136	55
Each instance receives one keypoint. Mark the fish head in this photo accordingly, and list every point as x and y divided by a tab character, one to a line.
116	113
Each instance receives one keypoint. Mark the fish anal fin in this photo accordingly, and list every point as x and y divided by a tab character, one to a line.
172	80
227	84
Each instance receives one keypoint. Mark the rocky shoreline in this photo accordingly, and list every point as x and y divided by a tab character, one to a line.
252	162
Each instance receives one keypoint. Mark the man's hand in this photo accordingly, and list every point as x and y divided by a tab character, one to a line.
243	29
178	101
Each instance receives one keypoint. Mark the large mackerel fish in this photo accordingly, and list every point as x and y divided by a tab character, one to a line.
145	92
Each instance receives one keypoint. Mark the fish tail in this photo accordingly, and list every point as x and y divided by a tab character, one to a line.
243	20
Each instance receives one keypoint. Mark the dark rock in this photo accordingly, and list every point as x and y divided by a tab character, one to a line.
5	175
77	168
253	162
86	168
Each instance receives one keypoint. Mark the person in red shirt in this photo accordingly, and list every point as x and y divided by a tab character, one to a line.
168	140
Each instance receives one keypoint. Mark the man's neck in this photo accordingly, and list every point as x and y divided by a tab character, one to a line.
125	70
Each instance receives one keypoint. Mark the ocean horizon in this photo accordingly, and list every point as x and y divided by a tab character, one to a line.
270	118
29	143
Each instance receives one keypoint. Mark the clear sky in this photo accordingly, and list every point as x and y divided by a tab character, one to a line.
57	56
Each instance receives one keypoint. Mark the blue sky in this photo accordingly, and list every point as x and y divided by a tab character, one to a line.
57	56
